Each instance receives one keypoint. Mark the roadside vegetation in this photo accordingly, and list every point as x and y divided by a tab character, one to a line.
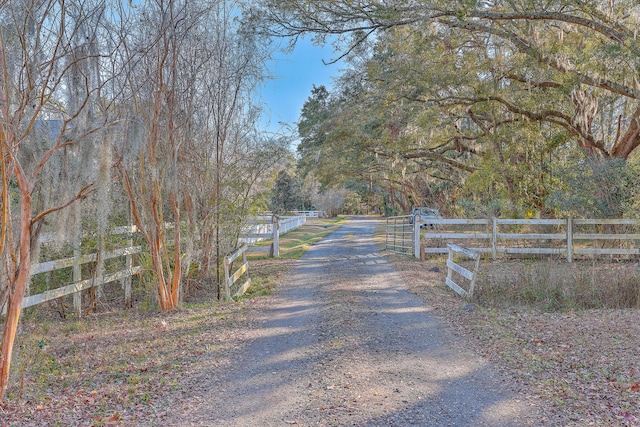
565	333
296	242
121	367
554	285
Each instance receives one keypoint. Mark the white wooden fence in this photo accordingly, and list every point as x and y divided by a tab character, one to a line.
231	277
452	267
270	227
566	237
126	253
76	262
310	214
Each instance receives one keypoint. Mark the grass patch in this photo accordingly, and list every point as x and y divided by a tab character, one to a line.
555	285
296	242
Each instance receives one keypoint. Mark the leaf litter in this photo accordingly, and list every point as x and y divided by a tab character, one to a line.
126	368
585	364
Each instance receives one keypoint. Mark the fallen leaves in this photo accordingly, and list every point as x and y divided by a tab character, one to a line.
585	364
121	366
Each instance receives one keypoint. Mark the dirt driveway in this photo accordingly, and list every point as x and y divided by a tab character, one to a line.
344	343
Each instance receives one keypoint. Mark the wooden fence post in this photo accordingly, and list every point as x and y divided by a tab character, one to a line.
569	239
494	238
416	236
77	268
77	277
276	236
126	282
227	288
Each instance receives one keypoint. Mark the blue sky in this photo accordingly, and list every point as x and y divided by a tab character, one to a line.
294	76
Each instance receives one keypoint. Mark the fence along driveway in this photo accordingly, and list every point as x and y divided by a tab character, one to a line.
76	262
400	235
124	253
568	237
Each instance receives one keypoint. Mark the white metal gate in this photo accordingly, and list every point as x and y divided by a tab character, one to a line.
400	235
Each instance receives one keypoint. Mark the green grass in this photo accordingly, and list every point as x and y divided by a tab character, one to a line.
296	242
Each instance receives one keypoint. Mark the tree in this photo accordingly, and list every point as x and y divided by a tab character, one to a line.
587	47
284	196
158	90
570	67
49	76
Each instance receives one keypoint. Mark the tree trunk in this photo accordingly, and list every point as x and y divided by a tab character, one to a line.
17	286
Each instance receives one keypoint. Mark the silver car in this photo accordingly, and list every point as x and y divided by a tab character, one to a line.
425	214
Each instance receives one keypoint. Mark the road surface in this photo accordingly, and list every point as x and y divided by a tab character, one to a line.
344	343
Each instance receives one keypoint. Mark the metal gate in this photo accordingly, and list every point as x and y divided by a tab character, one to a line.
400	234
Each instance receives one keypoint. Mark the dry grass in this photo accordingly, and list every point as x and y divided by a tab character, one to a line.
125	367
555	285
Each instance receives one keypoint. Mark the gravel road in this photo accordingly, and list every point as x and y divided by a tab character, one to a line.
343	343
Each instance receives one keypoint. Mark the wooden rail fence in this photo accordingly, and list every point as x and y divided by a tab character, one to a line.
452	267
76	262
270	227
231	277
126	254
565	237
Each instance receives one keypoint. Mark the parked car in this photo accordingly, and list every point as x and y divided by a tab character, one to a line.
425	214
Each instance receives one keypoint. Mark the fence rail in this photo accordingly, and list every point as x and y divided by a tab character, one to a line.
231	277
309	214
76	262
469	275
270	227
253	233
567	237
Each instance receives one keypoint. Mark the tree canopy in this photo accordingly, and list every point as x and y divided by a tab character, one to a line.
472	104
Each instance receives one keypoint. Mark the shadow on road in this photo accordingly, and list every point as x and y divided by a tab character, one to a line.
344	343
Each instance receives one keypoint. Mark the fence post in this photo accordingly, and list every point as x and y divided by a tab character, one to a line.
77	277
494	238
449	262
126	282
276	236
416	236
77	269
227	289
569	239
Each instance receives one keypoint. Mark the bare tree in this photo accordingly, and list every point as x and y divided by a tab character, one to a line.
49	78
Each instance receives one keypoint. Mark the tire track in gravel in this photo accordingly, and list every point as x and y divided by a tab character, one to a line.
344	343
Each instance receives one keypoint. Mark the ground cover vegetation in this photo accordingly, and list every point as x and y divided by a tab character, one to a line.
547	338
296	242
479	108
117	113
566	333
128	367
